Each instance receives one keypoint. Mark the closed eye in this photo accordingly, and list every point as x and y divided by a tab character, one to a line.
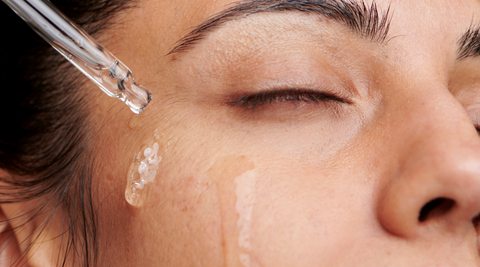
252	101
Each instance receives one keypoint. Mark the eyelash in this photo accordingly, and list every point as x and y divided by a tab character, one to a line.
252	101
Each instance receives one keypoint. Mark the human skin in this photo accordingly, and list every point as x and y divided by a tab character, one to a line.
291	183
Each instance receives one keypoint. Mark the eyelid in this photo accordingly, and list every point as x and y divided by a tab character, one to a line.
254	100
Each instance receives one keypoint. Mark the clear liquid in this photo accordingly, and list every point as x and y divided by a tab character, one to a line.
141	175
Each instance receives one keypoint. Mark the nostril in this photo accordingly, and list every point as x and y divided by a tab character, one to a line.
476	222
435	208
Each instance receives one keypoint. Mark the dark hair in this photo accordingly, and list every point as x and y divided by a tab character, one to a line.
45	138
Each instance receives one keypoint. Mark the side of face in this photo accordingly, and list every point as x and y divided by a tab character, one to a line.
290	140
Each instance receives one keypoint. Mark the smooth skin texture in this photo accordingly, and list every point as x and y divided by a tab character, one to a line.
299	183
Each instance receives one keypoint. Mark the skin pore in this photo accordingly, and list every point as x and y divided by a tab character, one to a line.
289	139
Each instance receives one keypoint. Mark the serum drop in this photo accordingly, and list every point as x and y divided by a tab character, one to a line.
141	175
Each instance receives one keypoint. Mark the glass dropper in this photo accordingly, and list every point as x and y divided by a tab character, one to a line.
84	52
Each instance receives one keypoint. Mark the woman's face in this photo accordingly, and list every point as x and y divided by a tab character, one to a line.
294	138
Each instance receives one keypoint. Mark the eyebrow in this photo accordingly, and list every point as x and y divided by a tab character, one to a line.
367	21
469	43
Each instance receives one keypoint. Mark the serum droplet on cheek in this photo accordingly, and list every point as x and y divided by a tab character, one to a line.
141	175
246	194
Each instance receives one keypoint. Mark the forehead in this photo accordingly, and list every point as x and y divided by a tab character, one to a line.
430	21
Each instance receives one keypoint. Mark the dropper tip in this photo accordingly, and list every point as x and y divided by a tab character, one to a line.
137	98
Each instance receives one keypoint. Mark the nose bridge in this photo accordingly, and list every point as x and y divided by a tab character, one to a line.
437	156
438	134
431	127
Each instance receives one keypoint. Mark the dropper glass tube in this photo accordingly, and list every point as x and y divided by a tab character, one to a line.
84	52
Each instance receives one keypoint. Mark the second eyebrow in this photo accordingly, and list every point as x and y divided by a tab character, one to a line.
469	44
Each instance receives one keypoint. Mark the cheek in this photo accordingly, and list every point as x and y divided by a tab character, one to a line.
279	217
229	194
235	180
181	222
293	220
243	211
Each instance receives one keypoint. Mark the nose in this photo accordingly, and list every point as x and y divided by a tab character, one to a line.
434	175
